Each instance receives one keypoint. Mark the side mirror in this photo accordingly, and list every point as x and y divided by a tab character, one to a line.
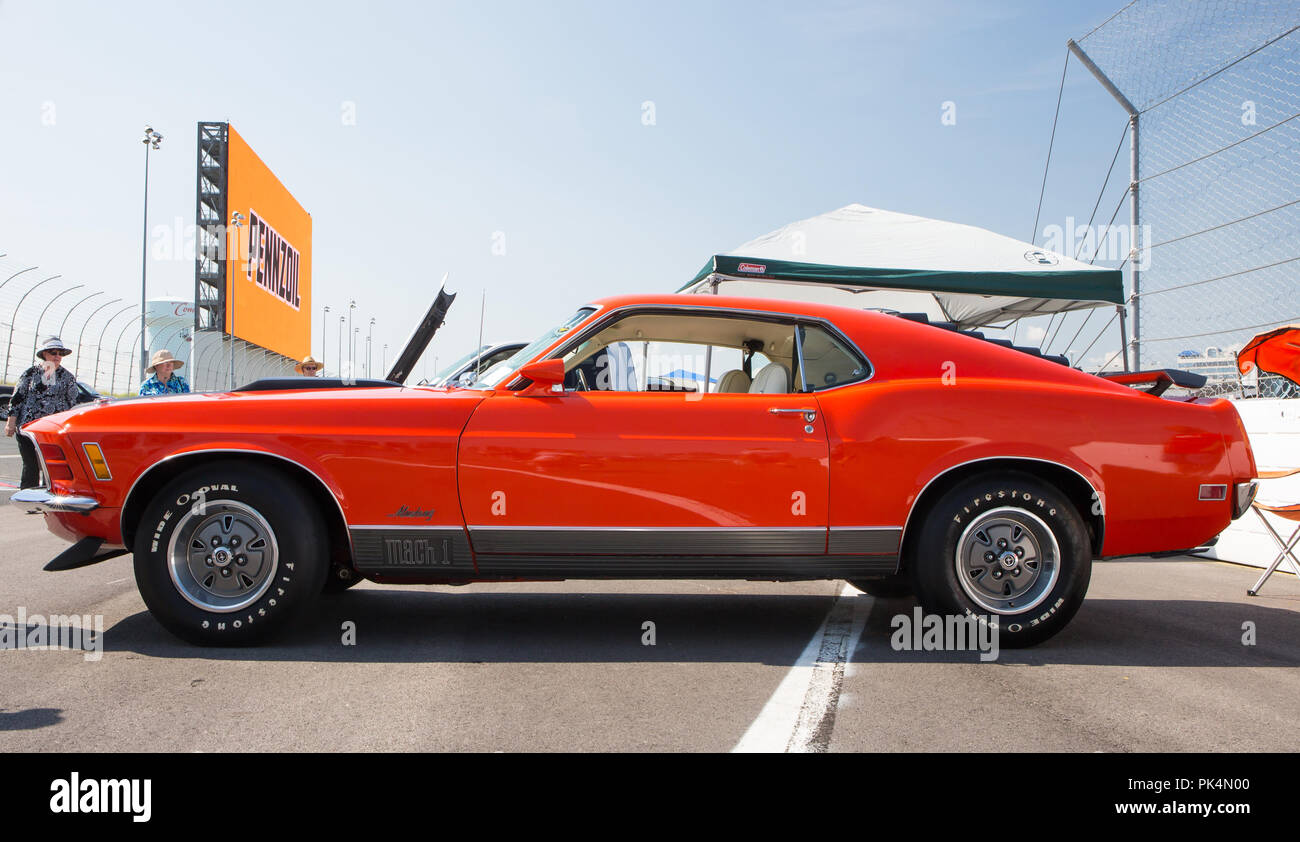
545	375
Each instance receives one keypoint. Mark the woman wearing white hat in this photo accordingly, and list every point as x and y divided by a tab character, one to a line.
164	381
309	367
43	389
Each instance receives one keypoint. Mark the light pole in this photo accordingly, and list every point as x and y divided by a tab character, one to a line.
86	323
384	364
356	331
14	326
236	220
341	320
41	317
322	337
352	354
99	349
151	141
370	334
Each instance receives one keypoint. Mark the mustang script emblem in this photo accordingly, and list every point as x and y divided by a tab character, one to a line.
417	513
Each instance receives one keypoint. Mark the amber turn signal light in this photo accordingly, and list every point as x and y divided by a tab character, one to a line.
97	463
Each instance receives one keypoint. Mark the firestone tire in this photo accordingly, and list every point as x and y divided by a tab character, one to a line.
230	554
891	587
1009	548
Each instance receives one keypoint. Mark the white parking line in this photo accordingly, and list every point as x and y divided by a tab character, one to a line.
801	713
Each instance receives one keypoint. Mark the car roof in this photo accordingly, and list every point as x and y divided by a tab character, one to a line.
728	302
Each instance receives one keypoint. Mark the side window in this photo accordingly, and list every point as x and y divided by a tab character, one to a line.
828	361
658	352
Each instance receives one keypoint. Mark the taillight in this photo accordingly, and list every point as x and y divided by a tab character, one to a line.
56	463
59	470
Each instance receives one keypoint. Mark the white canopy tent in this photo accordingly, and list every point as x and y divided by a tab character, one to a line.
866	257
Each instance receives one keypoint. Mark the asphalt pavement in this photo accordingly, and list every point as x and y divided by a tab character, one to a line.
1161	658
11	463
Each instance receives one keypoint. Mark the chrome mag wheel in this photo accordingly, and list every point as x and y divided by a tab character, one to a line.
223	556
1007	560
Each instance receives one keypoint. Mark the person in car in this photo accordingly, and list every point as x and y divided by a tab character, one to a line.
43	389
164	380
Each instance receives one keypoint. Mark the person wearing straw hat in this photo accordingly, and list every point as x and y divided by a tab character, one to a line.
164	380
43	389
309	367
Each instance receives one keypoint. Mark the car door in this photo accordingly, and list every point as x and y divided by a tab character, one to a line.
644	481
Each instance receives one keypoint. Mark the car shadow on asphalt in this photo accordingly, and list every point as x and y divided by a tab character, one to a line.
394	626
1123	632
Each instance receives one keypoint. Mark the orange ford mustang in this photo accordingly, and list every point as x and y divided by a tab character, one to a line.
666	436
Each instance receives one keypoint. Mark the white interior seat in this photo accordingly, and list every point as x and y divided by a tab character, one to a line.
774	379
734	382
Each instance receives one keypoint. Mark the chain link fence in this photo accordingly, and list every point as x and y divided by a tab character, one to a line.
1217	90
103	332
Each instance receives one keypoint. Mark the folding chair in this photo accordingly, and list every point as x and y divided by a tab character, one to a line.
1290	512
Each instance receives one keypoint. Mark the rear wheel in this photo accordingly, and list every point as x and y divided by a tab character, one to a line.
229	554
1006	548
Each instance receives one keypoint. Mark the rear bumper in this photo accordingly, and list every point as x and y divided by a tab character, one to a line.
1243	496
42	500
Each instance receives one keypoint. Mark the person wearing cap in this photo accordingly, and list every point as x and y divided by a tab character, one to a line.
43	389
164	380
309	367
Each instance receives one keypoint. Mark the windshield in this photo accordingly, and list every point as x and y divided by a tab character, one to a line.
493	377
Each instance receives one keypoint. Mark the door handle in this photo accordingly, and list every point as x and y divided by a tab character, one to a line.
809	414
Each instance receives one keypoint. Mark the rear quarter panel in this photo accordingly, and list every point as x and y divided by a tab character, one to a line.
939	400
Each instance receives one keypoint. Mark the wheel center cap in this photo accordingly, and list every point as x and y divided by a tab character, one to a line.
222	556
1008	560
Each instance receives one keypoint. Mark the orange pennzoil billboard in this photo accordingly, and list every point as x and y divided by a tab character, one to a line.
268	275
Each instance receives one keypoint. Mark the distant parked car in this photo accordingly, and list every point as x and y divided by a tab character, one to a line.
474	364
85	394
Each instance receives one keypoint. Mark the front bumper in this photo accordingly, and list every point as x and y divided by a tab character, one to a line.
42	500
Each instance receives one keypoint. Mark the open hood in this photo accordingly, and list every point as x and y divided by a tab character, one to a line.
422	336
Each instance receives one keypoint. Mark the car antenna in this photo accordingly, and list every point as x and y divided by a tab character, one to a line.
482	310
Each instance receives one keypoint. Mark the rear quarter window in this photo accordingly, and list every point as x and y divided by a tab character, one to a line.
828	361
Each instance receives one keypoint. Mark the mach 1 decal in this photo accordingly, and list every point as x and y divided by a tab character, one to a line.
272	262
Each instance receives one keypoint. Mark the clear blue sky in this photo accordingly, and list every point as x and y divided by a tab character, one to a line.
527	118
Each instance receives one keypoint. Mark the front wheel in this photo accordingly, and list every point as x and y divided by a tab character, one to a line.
229	554
1009	548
